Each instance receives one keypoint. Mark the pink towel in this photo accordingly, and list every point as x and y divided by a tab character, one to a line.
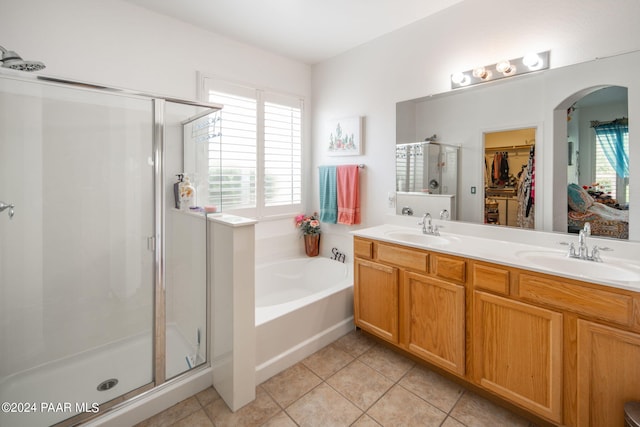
348	183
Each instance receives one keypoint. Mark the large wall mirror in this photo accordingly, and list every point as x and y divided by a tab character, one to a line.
557	106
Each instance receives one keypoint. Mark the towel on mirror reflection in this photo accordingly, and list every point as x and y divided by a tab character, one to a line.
348	194
328	195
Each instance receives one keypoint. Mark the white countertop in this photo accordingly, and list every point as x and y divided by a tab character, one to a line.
518	251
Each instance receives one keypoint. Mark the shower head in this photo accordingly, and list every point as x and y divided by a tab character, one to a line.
10	59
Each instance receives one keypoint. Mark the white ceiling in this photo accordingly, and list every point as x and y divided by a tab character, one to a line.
309	31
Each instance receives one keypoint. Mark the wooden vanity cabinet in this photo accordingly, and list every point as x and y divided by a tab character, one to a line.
434	321
375	299
608	373
517	346
517	353
412	298
565	350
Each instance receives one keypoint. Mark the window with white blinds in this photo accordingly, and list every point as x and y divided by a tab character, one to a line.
282	155
233	156
255	167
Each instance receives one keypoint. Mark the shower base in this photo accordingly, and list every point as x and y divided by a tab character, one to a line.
64	388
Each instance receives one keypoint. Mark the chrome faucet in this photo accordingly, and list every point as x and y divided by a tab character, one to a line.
427	226
444	214
583	249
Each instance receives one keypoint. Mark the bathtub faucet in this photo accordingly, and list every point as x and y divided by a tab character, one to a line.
337	255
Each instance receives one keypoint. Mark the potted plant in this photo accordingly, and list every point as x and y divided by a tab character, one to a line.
310	228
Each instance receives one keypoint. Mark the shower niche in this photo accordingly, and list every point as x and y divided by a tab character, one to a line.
426	178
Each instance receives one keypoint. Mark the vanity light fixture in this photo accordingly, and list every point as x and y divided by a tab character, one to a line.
507	68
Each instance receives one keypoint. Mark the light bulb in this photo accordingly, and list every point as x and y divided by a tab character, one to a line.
505	68
481	73
532	60
460	79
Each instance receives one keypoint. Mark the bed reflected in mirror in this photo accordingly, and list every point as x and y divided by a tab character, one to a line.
598	167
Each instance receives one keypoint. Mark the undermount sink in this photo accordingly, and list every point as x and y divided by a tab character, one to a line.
423	239
558	261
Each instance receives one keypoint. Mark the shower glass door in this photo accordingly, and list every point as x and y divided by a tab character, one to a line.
188	130
76	257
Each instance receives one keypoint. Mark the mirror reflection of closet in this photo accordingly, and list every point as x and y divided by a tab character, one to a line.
509	165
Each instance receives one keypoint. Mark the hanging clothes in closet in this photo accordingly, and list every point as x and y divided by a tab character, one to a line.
526	192
500	168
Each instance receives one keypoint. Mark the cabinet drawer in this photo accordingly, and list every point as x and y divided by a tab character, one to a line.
408	258
490	278
449	268
363	248
597	303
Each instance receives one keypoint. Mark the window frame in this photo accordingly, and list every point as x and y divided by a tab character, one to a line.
208	83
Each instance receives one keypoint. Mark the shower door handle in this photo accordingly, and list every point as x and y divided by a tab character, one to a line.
4	206
151	243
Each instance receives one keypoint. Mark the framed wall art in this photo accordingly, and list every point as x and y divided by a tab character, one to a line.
345	138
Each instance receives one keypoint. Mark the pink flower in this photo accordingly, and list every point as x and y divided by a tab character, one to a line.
308	224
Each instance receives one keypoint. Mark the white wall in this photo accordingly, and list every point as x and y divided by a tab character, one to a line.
417	61
122	45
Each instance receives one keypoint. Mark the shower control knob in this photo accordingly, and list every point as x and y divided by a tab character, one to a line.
4	206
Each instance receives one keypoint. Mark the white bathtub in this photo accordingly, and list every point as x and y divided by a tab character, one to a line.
302	304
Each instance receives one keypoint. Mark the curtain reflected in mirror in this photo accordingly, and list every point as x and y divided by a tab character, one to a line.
598	179
509	166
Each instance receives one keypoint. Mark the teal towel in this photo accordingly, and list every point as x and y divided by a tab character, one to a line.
328	195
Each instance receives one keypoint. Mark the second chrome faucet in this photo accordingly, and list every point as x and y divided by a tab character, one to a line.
583	249
427	226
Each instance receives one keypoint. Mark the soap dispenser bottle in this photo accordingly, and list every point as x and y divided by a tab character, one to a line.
187	194
176	190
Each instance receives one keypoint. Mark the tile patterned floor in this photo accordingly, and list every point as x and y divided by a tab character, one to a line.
351	382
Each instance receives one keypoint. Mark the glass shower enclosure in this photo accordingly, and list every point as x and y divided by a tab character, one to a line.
103	283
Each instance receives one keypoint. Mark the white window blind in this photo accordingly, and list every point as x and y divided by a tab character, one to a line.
282	155
233	156
256	168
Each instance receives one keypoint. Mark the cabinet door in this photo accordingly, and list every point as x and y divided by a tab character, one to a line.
375	299
517	353
434	318
608	374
